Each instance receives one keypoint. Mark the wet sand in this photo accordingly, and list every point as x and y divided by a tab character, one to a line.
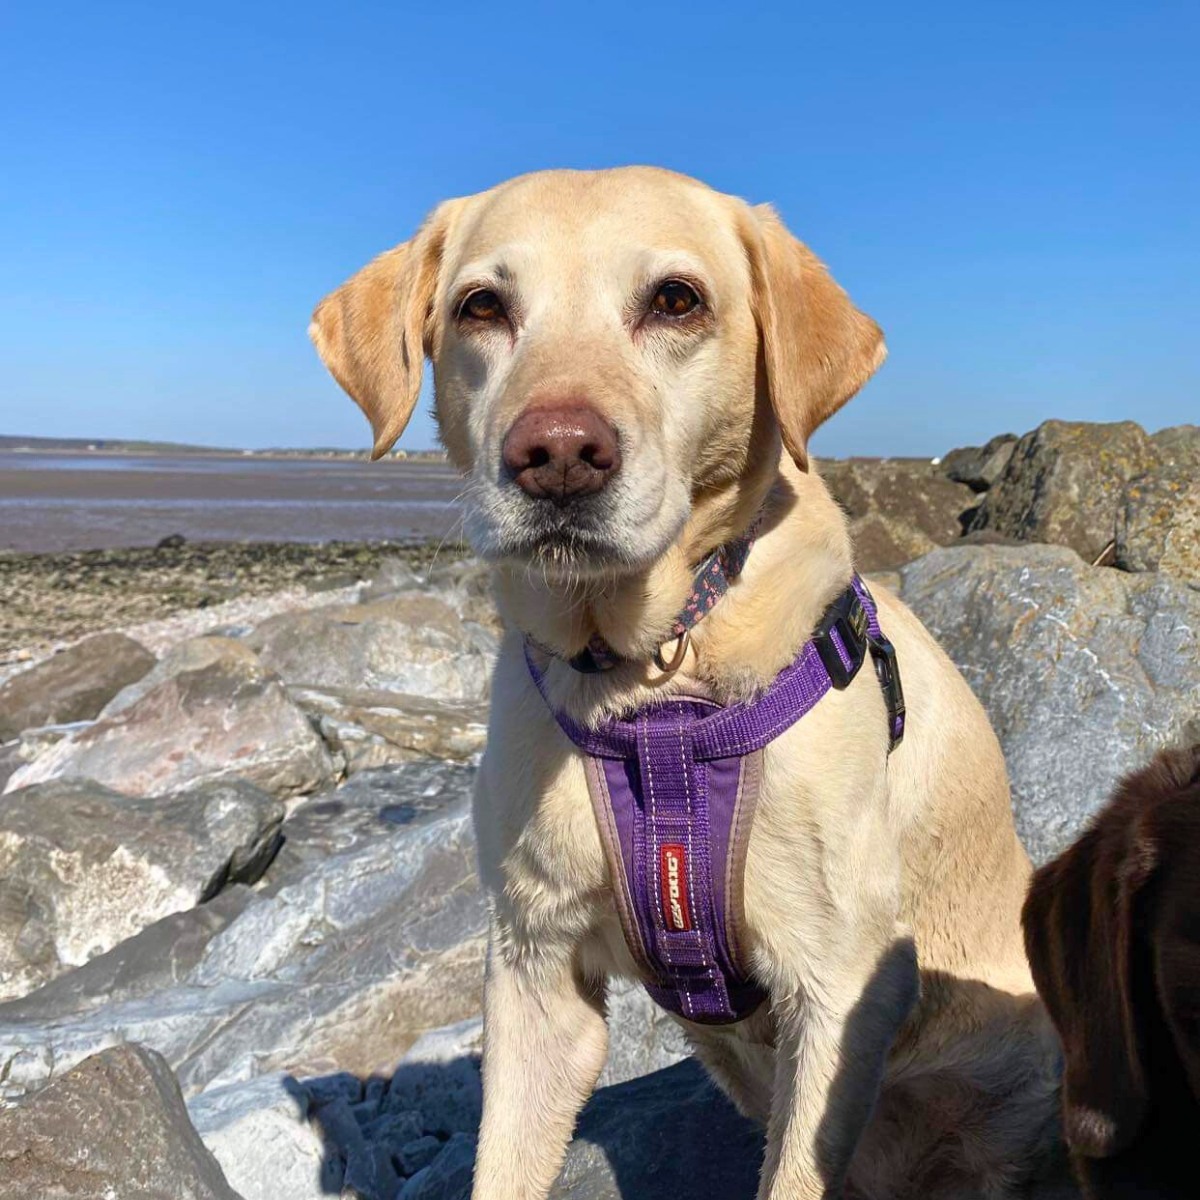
64	502
79	531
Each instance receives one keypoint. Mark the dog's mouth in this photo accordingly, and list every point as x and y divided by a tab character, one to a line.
582	539
576	538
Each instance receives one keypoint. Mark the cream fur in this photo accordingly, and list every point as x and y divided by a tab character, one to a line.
860	866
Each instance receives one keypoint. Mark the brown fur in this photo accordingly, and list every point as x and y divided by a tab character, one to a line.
1112	928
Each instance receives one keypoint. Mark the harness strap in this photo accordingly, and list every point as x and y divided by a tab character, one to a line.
831	659
674	788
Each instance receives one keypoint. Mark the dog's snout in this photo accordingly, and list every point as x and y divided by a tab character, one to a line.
560	452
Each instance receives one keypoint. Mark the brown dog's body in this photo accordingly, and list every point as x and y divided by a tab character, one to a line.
618	357
1113	931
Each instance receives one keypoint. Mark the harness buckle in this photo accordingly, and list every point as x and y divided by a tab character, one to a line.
883	654
846	617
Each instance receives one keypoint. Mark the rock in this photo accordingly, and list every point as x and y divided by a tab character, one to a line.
395	1130
192	654
115	1126
367	930
1179	446
417	1155
899	509
980	466
660	1137
1085	672
375	729
141	966
260	1134
392	577
11	761
464	584
73	685
1158	527
642	1038
228	717
83	868
448	1177
368	1173
412	643
1064	484
441	1082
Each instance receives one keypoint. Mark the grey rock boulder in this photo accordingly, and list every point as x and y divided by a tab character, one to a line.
664	1136
82	868
980	466
73	685
227	717
414	642
642	1038
448	1177
1084	671
376	729
464	584
1179	446
260	1134
11	761
1065	483
439	1078
367	930
115	1126
899	508
1158	525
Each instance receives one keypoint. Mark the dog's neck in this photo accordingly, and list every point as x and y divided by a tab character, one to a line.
800	561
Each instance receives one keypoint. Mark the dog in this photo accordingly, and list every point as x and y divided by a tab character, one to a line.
1113	933
628	366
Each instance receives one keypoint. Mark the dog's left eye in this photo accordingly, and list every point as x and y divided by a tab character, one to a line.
482	305
675	299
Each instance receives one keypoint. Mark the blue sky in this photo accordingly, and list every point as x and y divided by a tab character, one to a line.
1012	190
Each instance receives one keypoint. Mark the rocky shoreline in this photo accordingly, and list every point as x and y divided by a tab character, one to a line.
46	599
238	898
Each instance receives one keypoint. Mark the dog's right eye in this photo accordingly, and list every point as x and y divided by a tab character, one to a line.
482	305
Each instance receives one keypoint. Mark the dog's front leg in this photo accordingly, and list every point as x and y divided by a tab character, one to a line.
545	1042
832	1042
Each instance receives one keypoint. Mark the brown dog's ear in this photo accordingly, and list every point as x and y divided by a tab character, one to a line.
1170	787
1079	937
817	347
373	332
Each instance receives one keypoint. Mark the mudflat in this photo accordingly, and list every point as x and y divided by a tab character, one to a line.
52	502
93	540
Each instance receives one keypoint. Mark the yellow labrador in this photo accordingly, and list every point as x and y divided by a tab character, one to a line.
620	360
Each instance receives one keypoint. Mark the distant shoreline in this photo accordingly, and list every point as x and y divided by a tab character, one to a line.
100	447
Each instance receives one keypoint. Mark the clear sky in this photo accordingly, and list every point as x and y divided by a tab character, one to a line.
1011	189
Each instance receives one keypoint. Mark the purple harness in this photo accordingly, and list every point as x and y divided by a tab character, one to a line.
674	789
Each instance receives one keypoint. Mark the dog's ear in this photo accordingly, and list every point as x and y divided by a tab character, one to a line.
373	332
1171	786
1079	936
817	348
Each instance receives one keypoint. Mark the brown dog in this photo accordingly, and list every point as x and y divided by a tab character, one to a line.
1112	928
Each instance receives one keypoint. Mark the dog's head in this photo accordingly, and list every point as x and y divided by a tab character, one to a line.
613	352
1112	929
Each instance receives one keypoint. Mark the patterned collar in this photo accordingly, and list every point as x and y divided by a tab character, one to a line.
712	580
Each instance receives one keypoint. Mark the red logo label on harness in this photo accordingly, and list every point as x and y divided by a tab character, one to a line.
672	861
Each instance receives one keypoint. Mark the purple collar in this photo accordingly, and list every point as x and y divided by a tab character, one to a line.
711	582
674	786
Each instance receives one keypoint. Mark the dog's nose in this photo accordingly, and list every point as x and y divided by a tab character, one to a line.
558	453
